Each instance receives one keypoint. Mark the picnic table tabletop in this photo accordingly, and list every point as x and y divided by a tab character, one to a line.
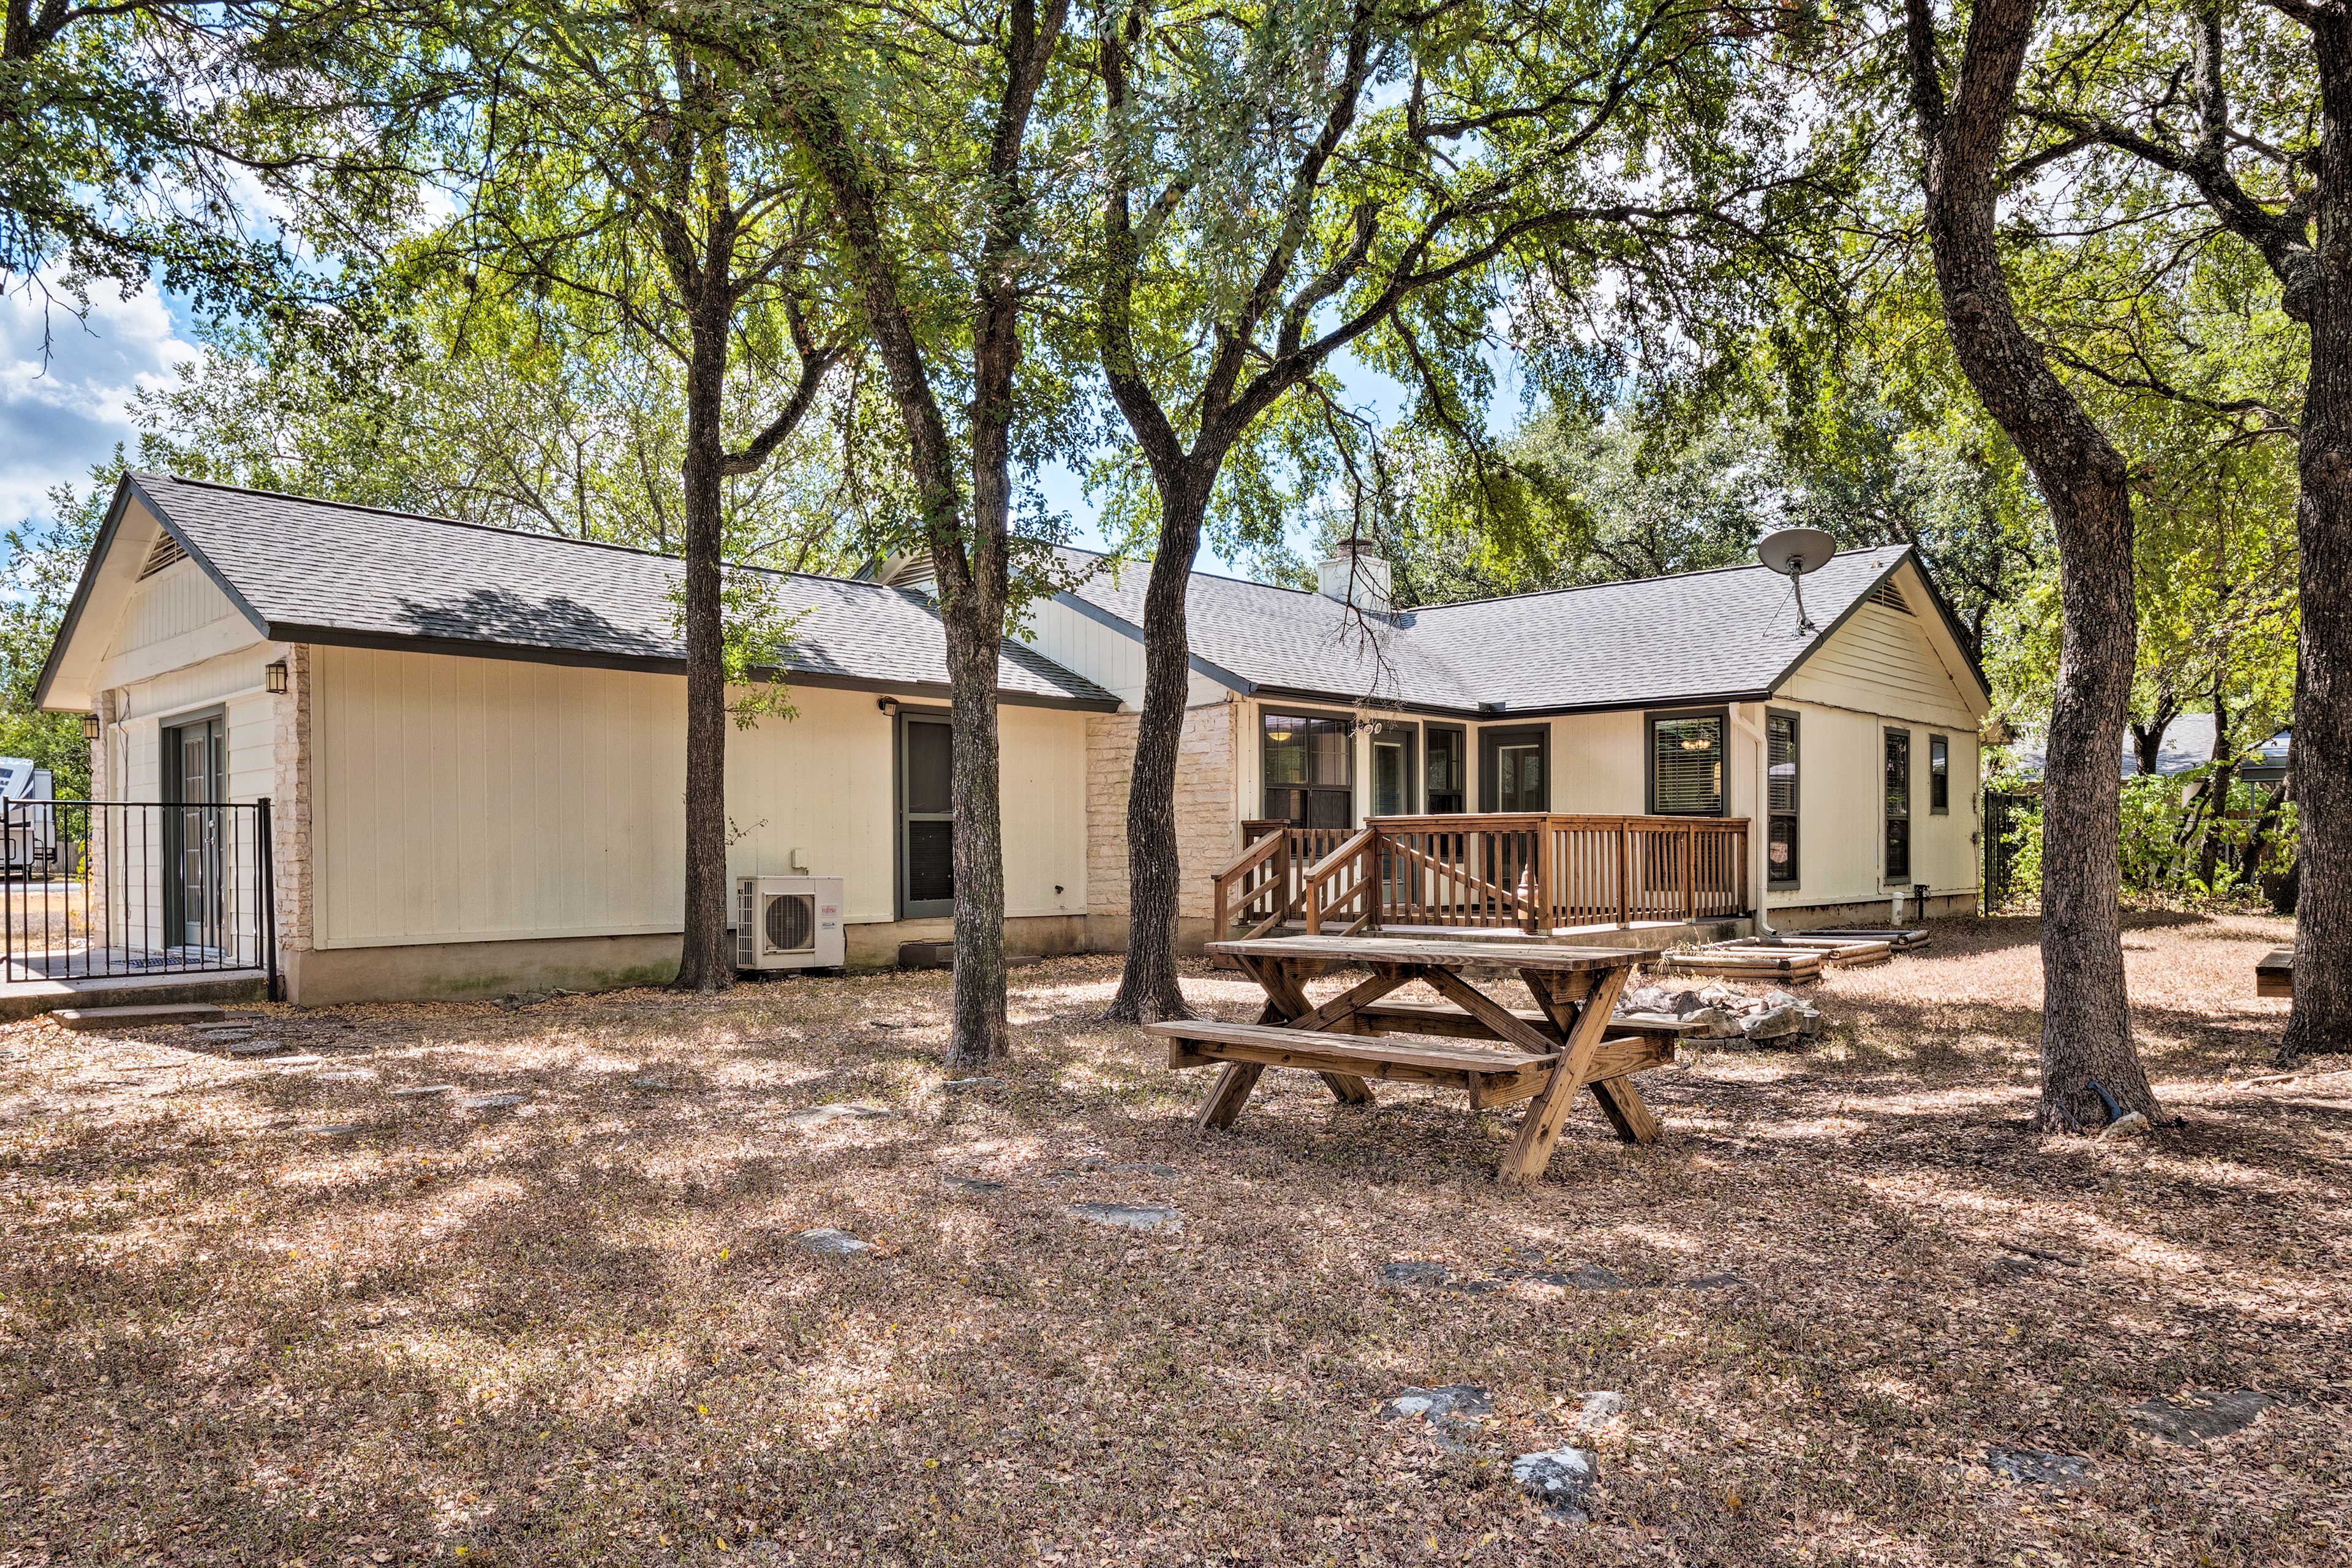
1437	952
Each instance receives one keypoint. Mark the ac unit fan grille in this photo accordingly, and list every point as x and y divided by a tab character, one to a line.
792	923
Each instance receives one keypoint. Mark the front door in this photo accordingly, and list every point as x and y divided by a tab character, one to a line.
195	785
926	815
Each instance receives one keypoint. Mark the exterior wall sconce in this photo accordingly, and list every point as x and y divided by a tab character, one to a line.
90	728
277	674
890	706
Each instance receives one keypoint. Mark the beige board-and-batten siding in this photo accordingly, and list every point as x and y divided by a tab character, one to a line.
180	651
461	802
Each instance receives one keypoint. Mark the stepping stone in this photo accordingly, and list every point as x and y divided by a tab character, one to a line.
348	1075
960	1084
494	1102
1131	1217
817	1116
335	1129
826	1242
1601	1404
1412	1271
2201	1414
136	1018
650	1083
253	1048
1458	1409
416	1090
302	1062
974	1185
1591	1277
1559	1479
1714	1282
2034	1467
1164	1172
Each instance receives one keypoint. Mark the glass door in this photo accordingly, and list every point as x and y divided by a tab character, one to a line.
196	784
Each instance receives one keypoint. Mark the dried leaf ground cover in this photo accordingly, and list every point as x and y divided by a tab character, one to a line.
580	1328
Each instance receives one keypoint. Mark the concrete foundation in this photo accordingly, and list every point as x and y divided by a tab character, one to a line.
1872	912
462	971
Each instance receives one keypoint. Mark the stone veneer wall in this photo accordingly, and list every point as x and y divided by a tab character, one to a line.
290	807
1208	818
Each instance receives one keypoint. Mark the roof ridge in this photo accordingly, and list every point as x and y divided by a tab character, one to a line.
494	528
1631	581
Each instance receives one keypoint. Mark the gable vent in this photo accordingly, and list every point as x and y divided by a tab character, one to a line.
167	551
1888	595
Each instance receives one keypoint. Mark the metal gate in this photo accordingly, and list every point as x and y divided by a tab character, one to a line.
2009	815
139	888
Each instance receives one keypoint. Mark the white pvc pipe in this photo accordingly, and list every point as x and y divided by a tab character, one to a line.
1759	820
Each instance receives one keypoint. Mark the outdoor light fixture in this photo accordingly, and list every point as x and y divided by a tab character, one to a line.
890	706
277	673
90	727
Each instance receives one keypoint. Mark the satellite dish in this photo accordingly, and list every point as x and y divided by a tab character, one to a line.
1792	553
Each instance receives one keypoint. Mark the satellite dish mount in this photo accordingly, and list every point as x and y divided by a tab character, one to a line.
1793	552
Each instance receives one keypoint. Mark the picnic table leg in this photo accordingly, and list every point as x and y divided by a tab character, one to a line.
1226	1096
1626	1109
1285	1000
1523	1163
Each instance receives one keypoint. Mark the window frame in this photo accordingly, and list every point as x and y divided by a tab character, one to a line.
1888	875
1491	741
1650	721
1940	774
912	908
1794	877
1407	735
1461	733
1347	722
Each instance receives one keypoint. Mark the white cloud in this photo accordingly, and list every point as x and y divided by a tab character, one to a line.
63	410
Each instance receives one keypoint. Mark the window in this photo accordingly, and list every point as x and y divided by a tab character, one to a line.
1448	771
1898	805
1309	780
1517	767
1687	764
926	815
1780	828
1939	776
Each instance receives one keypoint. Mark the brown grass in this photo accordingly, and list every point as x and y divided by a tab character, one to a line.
584	1333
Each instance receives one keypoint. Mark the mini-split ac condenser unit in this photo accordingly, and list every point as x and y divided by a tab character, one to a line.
788	922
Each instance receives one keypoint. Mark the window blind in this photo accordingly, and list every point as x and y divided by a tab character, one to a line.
1686	766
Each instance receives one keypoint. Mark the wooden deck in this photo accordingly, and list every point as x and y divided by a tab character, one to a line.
1535	874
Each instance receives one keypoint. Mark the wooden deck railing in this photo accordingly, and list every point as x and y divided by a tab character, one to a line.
1532	873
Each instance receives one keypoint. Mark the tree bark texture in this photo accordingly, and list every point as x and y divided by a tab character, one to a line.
2321	1020
2086	1019
704	962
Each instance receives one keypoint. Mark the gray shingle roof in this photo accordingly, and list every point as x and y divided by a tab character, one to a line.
322	572
1701	634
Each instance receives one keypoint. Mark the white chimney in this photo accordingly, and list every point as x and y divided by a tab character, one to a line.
1354	576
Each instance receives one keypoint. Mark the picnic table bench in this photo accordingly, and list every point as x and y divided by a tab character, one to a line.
1467	1040
2274	976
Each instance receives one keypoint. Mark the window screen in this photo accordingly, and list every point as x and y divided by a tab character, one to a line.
1308	776
1780	841
1898	805
1686	766
1940	774
1448	777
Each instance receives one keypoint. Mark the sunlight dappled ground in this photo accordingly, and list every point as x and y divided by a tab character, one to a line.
581	1329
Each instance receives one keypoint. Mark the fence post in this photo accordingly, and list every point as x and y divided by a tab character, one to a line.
1624	872
1690	872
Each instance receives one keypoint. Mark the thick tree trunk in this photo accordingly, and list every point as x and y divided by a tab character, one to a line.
704	962
978	1031
2086	1019
1147	990
2322	1018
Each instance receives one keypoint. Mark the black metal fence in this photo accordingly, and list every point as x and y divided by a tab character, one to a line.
96	890
2012	830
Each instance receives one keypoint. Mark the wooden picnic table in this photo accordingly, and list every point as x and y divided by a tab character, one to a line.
2274	976
1468	1040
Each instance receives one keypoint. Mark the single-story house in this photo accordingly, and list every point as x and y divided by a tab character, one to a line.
471	738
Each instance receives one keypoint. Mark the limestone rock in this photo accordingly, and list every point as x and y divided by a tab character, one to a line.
2034	1467
2202	1414
2130	1125
1560	1479
826	1242
817	1116
1131	1217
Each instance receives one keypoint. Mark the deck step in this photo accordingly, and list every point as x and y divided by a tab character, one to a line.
156	1016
